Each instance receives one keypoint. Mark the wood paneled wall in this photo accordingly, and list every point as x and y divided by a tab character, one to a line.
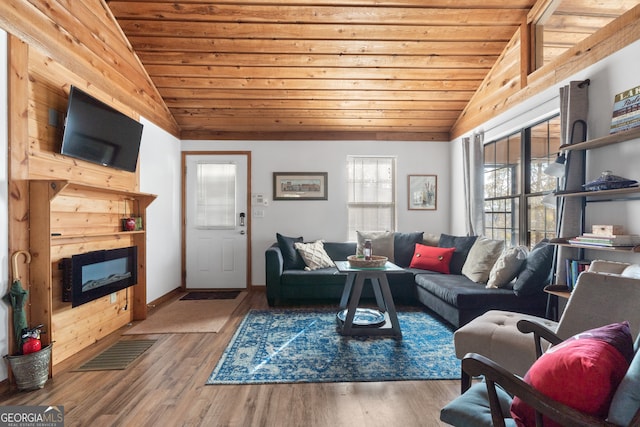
503	89
83	37
86	49
91	218
49	85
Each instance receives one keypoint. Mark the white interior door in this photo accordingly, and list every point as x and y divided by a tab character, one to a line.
216	221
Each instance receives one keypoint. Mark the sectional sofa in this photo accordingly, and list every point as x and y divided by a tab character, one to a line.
457	277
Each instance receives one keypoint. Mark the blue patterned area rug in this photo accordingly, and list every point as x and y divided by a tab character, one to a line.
303	346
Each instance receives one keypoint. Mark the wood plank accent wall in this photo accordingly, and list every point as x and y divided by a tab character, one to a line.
504	79
84	219
88	42
18	191
88	218
42	67
618	34
49	85
96	216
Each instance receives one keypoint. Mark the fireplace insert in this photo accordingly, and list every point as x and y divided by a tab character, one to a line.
92	275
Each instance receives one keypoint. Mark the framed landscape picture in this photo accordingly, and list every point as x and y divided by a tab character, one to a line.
423	192
300	186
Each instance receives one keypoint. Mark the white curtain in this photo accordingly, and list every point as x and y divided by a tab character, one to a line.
473	162
574	105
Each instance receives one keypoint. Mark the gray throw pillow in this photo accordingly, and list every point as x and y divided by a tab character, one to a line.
381	243
291	257
462	244
404	245
537	271
507	266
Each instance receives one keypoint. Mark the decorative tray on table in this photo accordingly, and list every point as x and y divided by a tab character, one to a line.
359	262
364	317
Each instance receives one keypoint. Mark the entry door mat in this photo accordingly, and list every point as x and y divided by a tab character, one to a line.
210	295
188	316
118	356
304	346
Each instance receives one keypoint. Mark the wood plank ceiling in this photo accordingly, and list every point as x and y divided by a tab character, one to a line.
319	69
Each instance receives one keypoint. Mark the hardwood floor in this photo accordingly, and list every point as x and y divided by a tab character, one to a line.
166	387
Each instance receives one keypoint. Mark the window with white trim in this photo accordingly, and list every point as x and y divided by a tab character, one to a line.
371	194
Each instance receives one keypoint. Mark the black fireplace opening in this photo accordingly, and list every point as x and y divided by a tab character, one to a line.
92	275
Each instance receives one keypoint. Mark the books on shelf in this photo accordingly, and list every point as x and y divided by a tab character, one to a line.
626	110
573	269
591	239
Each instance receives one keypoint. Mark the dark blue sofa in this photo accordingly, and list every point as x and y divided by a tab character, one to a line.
454	297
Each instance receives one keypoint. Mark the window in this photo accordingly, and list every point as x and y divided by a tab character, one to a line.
216	195
514	184
371	195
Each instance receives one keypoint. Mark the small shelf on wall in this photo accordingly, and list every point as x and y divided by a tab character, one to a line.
564	241
87	236
599	193
80	188
603	141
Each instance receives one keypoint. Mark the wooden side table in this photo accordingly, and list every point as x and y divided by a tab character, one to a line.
553	305
350	313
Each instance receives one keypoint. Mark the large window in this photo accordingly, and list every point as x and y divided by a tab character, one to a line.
371	195
515	183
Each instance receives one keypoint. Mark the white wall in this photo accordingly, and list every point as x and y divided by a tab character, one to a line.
608	77
328	219
160	175
4	214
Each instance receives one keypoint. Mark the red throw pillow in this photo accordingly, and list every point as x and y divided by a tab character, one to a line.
582	372
432	258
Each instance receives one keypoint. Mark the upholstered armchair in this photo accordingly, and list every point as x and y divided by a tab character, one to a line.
608	292
504	397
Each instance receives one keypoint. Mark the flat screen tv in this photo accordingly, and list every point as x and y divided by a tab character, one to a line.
92	275
97	133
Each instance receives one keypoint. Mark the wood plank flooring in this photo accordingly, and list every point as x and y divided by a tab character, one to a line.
166	387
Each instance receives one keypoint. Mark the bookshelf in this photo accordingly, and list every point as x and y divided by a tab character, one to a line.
621	194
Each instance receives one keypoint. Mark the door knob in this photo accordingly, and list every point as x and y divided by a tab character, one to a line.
242	232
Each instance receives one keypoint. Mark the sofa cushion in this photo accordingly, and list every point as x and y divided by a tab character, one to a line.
482	256
314	255
381	243
290	256
404	245
339	251
536	273
321	277
432	258
507	266
582	372
462	244
460	292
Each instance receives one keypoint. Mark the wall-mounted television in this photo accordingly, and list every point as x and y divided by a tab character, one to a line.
92	275
98	133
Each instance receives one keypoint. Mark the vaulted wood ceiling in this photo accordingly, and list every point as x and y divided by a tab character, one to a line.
333	69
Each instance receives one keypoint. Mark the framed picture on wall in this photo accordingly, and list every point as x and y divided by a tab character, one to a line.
300	186
423	192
